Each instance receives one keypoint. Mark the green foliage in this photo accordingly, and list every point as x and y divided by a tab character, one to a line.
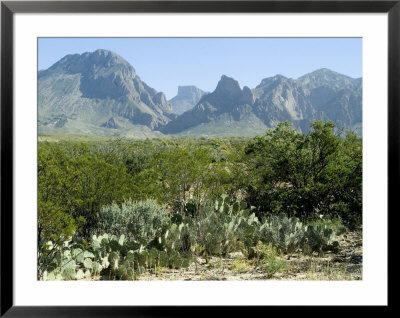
268	259
302	175
63	263
290	234
219	227
286	234
241	266
141	220
55	229
335	224
76	181
163	201
318	237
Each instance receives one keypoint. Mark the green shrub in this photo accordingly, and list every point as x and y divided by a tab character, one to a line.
289	234
318	237
241	266
286	234
54	228
142	220
268	259
222	227
79	181
335	224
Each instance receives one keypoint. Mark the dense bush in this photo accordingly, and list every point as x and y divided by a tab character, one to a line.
304	175
286	234
289	234
222	227
77	182
178	197
141	220
144	235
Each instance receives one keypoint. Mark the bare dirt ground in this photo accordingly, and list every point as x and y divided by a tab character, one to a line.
344	265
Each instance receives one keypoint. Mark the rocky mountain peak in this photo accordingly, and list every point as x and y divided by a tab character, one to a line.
228	94
274	80
326	77
95	63
100	91
101	83
247	96
229	87
323	74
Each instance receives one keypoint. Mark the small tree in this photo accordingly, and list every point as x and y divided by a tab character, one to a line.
305	174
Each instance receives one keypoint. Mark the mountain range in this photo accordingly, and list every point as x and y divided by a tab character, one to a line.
100	93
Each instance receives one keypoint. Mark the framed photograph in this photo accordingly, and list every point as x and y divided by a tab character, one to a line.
161	155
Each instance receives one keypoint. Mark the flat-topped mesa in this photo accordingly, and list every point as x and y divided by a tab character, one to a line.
188	96
189	92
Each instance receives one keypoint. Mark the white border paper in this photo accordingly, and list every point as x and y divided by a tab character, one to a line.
372	290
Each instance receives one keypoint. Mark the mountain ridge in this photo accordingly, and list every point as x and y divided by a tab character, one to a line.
97	86
100	93
322	94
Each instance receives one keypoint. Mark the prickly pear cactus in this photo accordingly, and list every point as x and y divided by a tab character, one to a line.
68	274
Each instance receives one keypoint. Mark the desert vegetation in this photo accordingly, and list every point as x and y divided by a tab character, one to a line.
281	205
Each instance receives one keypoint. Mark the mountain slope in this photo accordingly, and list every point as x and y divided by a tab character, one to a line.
90	89
228	99
320	95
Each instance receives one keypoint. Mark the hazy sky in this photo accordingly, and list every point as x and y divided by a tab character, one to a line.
166	63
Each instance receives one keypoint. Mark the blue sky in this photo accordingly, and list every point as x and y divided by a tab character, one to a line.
166	63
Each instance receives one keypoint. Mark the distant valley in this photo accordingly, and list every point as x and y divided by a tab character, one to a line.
99	93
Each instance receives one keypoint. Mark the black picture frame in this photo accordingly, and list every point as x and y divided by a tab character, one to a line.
8	8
